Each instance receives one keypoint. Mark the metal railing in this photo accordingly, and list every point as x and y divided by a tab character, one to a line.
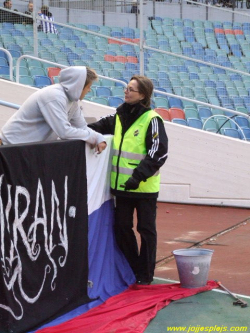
124	84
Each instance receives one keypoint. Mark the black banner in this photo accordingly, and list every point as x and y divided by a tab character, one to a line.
43	233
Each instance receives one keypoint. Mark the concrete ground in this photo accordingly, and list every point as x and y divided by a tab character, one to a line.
225	230
210	311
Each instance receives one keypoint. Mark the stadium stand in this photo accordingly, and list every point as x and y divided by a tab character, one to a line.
218	43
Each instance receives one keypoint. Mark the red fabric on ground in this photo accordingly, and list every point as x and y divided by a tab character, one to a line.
128	312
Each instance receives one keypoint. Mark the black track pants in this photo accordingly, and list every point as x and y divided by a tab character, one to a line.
142	260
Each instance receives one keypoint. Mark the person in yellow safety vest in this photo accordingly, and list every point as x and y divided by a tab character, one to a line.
140	146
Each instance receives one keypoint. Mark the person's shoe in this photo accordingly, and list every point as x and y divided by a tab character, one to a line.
143	283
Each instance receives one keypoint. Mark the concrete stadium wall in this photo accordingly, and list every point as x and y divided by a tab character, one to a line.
162	9
91	12
202	168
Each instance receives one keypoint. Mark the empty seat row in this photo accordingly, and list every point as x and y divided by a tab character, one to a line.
102	91
237	128
113	101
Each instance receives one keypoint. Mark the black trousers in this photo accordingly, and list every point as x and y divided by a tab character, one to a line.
142	260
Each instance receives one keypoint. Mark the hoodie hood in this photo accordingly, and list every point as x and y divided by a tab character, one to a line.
73	79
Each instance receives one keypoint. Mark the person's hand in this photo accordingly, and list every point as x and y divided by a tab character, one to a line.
131	184
100	147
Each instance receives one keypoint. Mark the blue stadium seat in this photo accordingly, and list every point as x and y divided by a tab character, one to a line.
71	56
191	112
231	132
117	91
4	70
116	34
165	83
13	46
115	101
161	102
235	77
210	83
242	121
220	84
8	25
210	125
108	83
246	101
179	121
46	41
3	61
175	102
127	47
193	76
64	36
93	27
36	70
224	122
221	92
246	134
237	101
194	122
17	32
3	55
41	81
86	57
81	44
26	79
99	100
131	66
219	70
65	30
204	112
156	94
103	91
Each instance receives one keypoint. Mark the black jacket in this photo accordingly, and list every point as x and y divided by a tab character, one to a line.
28	20
9	17
156	141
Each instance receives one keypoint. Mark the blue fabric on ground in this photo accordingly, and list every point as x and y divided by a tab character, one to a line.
109	271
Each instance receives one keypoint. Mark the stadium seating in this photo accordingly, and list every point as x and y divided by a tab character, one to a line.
176	113
231	132
191	112
3	61
100	100
161	102
53	71
26	79
115	101
245	134
163	113
204	40
41	81
37	70
242	121
179	121
103	91
194	122
4	70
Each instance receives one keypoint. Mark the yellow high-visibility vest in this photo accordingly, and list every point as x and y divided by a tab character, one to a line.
129	150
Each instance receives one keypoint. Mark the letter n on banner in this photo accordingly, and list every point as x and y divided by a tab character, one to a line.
43	233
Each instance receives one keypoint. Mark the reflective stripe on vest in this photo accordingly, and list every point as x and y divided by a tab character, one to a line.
129	150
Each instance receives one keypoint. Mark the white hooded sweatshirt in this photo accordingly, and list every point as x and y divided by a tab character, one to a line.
52	112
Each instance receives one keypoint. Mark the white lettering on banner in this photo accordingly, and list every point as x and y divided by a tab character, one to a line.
10	257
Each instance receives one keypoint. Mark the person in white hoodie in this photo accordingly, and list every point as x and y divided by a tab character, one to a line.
54	112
